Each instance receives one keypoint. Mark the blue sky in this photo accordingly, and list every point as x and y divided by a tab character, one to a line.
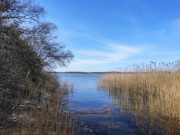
108	34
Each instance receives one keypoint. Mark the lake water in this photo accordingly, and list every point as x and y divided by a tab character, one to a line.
97	111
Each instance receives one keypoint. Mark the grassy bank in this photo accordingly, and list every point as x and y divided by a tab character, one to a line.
151	93
39	112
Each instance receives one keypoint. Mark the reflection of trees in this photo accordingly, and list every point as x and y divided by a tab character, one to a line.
152	98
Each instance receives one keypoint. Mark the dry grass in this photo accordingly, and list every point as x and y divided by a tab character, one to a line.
40	113
151	93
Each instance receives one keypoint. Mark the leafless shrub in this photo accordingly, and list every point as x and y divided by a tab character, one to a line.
27	46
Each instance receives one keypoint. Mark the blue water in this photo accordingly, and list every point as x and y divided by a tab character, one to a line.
95	110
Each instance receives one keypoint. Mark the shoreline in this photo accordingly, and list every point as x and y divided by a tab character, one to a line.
84	72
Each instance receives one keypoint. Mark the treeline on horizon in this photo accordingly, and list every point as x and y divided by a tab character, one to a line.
83	72
27	46
135	68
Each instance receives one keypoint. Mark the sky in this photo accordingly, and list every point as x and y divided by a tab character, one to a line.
106	35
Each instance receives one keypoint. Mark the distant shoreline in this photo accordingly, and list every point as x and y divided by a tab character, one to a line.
84	72
113	72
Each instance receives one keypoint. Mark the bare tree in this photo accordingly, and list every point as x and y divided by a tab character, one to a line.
24	51
45	44
12	11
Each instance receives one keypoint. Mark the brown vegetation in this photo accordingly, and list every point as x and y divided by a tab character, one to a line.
150	93
29	97
45	116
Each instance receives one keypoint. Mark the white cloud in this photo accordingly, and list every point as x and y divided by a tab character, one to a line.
115	53
176	25
125	48
89	61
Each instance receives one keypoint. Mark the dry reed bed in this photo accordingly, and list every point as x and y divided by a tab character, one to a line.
43	116
152	96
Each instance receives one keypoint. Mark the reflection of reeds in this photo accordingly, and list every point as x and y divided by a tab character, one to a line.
151	93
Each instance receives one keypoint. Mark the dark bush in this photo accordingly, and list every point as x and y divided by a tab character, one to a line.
24	51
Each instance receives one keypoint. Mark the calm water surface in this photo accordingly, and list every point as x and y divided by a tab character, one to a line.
98	112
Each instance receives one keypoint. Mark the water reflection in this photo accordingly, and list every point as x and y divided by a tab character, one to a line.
149	111
106	111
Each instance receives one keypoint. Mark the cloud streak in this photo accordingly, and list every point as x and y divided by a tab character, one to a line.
115	53
177	24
